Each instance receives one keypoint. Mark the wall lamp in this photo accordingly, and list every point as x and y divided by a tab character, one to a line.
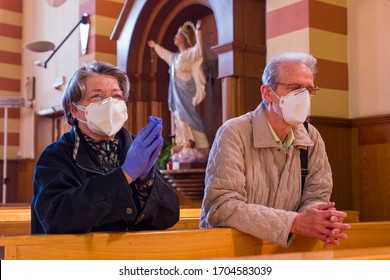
44	46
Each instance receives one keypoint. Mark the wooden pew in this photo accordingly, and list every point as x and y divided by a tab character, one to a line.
190	223
22	212
371	253
169	244
12	228
17	212
178	244
14	212
361	235
189	218
189	212
16	220
353	215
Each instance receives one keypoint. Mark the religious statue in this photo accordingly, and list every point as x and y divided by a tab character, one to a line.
186	86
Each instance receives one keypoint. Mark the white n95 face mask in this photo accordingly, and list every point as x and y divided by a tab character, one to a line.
295	106
106	117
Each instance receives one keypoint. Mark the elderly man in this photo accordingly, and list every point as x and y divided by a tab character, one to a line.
253	176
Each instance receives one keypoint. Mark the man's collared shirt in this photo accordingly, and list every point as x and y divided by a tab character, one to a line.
287	141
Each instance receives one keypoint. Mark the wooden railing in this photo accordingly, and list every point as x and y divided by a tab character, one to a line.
182	241
176	244
14	212
16	220
371	253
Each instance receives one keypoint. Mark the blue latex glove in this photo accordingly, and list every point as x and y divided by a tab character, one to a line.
143	149
156	152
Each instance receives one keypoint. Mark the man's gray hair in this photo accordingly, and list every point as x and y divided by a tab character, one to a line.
270	74
75	89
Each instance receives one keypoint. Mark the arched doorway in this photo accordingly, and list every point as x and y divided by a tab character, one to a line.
234	48
234	39
160	20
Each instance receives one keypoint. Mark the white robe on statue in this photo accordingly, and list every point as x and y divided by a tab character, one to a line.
186	91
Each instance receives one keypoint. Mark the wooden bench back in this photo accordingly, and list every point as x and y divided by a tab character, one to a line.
372	253
176	244
169	244
15	213
16	220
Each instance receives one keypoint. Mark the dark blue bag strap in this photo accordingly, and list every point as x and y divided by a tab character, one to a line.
304	159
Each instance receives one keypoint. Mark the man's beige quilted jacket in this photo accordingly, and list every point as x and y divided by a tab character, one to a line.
254	186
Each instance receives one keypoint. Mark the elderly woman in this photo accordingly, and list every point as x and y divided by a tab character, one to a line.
98	176
187	84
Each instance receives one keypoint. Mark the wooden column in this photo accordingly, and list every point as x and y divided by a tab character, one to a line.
241	54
